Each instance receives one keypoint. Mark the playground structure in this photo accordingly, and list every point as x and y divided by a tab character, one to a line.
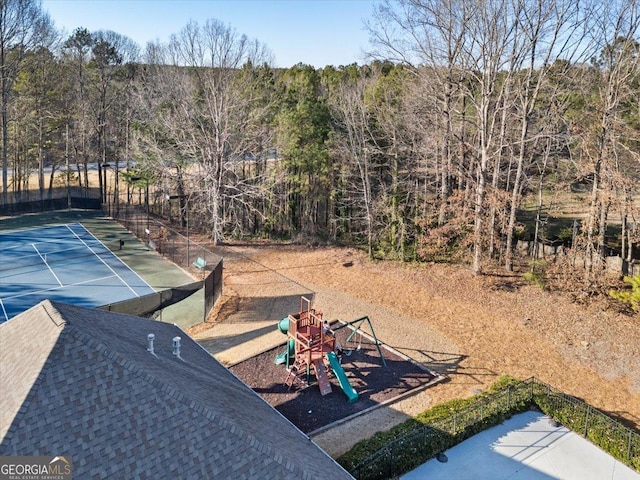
312	348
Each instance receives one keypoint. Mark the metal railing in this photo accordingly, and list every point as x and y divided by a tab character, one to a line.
424	443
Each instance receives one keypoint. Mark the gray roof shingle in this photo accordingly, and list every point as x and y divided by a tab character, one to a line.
80	382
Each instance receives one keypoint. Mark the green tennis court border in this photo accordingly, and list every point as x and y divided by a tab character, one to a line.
153	268
62	262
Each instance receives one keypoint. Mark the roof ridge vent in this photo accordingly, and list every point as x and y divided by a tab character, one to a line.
150	338
176	346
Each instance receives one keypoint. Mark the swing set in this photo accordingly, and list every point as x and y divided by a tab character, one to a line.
357	323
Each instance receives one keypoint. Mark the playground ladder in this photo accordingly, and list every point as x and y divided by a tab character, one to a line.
293	376
322	376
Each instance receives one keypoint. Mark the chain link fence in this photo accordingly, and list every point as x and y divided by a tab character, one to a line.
52	199
178	248
171	244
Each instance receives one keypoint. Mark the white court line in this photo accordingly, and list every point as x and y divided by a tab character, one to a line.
37	292
36	227
6	249
26	229
105	263
45	262
4	311
115	256
42	241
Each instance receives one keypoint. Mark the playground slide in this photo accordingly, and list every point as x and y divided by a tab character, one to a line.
281	358
348	390
283	325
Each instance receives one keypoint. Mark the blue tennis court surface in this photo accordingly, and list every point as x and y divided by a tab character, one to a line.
64	263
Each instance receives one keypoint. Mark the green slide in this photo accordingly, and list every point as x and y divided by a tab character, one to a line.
283	325
288	354
348	390
281	358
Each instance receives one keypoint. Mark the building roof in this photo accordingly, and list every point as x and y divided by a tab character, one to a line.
80	382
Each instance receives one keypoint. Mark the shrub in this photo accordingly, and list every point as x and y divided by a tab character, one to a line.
566	236
408	445
437	429
609	435
629	296
537	273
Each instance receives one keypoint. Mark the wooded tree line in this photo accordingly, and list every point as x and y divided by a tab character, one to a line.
466	108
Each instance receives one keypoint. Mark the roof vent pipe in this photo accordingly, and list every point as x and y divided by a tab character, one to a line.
176	346
150	338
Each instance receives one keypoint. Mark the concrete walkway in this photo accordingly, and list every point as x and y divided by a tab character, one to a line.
526	447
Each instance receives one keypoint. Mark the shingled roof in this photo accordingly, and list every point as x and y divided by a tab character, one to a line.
80	382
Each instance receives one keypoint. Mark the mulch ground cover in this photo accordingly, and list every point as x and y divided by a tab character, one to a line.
303	404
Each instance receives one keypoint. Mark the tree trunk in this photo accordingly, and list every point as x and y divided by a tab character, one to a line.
481	180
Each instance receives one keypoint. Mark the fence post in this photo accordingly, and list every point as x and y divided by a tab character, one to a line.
424	437
548	400
531	389
629	448
586	421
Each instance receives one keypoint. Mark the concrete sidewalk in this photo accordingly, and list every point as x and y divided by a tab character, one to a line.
528	446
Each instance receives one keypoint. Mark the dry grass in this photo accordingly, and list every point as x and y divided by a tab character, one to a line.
472	329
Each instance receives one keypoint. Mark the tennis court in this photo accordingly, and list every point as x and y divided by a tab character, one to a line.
65	263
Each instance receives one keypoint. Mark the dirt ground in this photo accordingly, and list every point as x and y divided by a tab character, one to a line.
471	329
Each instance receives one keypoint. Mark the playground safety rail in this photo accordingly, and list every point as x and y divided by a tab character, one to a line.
416	447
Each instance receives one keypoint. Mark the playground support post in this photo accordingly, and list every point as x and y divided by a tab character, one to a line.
375	339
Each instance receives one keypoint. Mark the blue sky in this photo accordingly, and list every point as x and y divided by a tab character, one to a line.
315	32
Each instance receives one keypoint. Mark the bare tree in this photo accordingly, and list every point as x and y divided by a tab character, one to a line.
77	49
353	143
614	30
21	24
477	47
197	113
486	64
428	35
112	58
41	87
551	31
